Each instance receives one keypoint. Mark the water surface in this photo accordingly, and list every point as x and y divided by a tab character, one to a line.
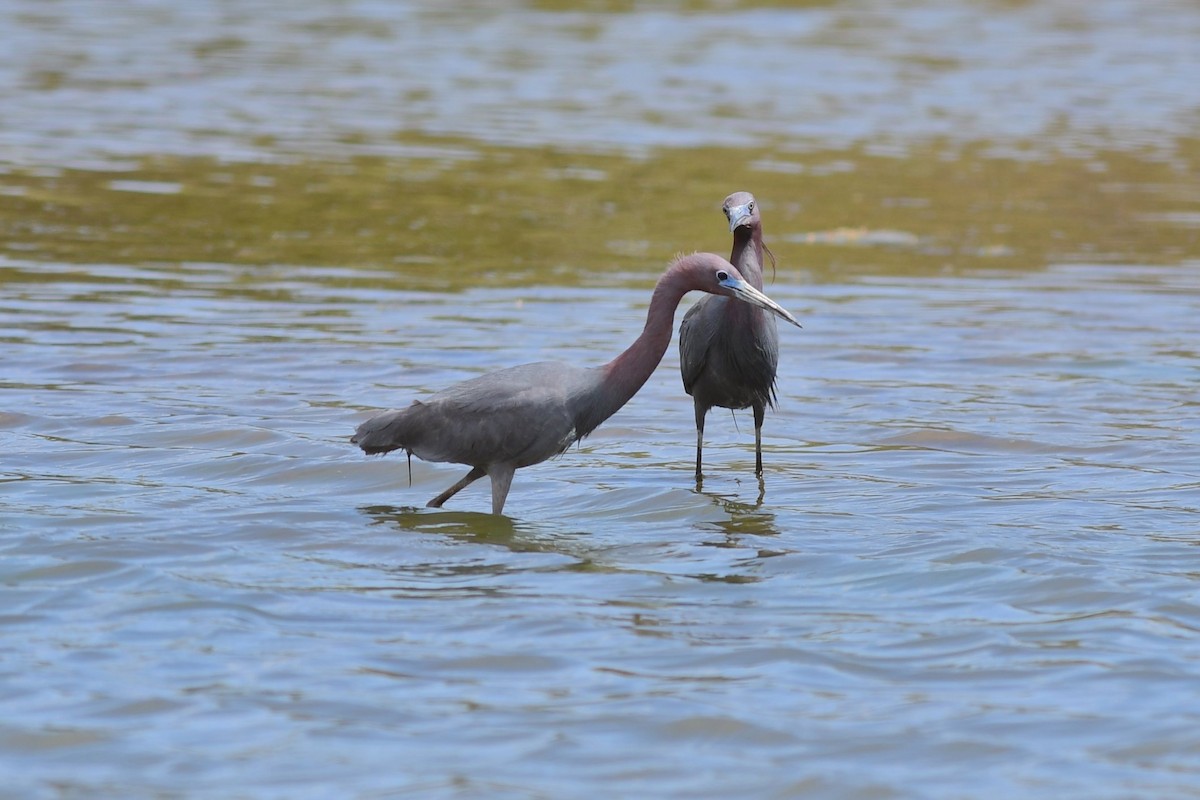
229	233
974	540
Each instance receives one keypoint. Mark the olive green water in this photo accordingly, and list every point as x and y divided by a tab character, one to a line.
230	232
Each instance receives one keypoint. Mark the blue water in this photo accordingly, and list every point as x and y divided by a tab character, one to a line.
969	573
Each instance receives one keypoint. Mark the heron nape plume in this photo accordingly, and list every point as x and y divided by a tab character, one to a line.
729	352
512	418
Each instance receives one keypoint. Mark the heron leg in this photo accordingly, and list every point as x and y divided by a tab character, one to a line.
475	474
759	413
502	475
700	412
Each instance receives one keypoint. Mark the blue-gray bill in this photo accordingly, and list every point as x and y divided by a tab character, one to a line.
738	215
747	293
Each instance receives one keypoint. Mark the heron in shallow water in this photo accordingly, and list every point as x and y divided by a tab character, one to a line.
512	418
728	352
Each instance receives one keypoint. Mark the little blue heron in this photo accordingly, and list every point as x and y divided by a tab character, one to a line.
728	352
515	417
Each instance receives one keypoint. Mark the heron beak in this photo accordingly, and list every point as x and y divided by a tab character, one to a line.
748	294
738	215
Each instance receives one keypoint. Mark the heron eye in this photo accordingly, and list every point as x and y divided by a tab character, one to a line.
750	208
722	275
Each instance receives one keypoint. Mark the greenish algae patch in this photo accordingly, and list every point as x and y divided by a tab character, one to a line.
459	213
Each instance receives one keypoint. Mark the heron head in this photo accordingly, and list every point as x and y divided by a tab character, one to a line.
741	209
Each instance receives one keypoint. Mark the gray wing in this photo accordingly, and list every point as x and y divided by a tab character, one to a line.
696	332
517	416
726	362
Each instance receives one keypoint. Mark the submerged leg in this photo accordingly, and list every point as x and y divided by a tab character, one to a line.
502	475
700	412
475	474
759	413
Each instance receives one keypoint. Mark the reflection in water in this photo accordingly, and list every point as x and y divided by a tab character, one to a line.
478	527
741	524
488	530
749	519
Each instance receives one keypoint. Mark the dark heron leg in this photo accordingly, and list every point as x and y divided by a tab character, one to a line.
475	474
502	475
759	413
701	411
